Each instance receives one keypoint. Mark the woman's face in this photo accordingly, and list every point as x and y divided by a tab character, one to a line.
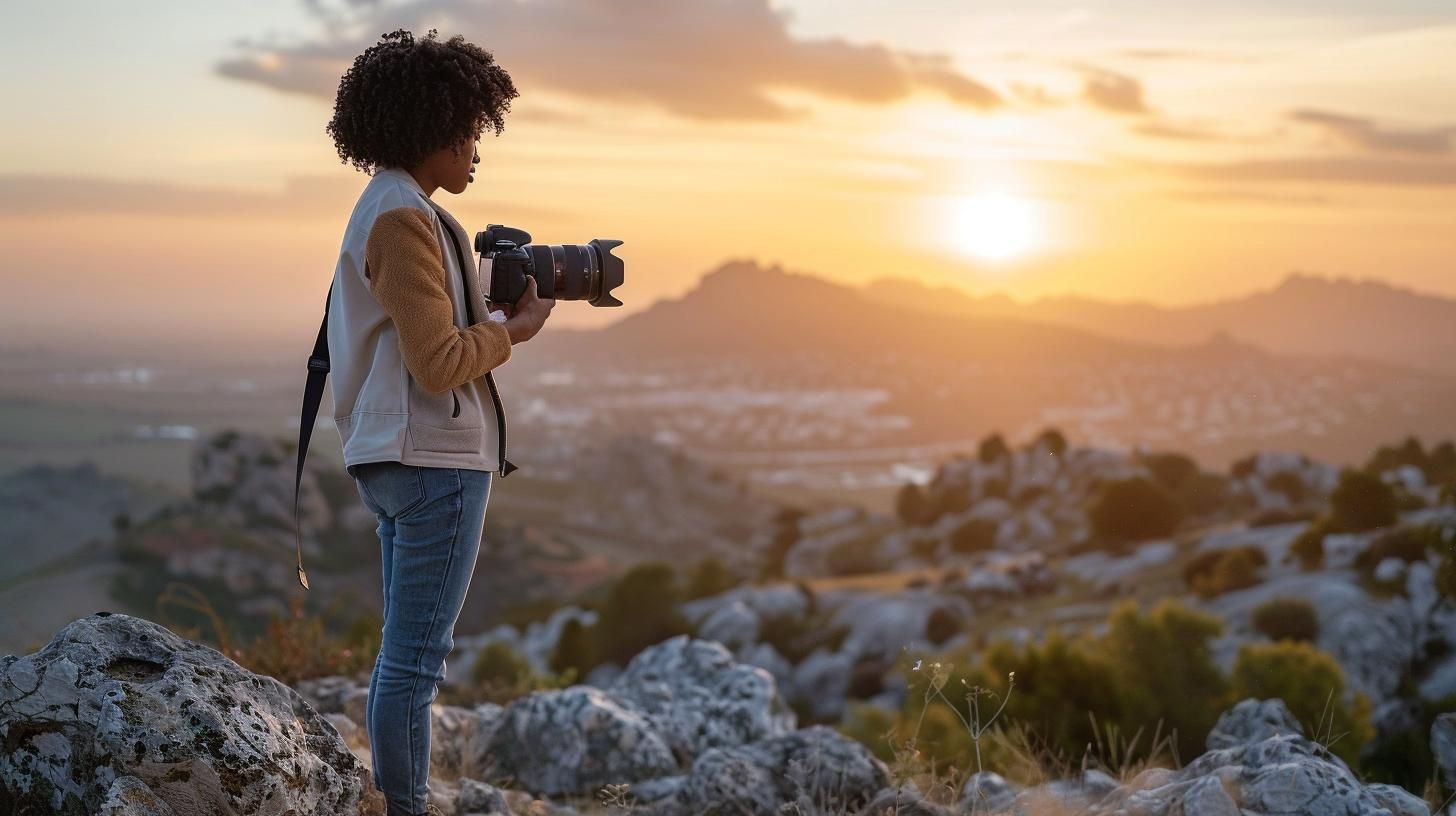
459	165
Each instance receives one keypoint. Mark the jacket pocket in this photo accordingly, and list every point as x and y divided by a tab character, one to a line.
446	440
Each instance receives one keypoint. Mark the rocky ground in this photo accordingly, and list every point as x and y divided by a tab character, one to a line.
119	716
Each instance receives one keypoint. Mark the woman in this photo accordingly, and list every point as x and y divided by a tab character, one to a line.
412	345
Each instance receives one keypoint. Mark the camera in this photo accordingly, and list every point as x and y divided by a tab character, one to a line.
586	272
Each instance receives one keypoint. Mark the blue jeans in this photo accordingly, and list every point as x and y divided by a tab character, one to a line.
430	522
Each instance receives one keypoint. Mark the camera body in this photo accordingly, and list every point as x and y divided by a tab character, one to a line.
586	272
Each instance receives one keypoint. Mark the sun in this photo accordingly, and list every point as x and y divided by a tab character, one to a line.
995	226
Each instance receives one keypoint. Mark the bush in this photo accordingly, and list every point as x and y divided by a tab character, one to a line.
1171	470
1288	484
992	448
296	647
576	650
1276	516
1219	571
1053	440
1163	664
1409	544
1136	509
911	505
1361	502
640	611
710	577
974	535
1309	546
500	665
1286	619
1312	684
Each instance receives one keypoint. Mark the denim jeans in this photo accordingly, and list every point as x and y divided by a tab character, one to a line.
430	522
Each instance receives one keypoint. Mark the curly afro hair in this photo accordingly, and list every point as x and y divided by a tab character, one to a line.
404	99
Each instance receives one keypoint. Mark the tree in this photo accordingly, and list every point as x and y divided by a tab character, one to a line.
1361	501
1135	509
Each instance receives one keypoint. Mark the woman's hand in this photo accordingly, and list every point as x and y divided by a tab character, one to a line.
528	314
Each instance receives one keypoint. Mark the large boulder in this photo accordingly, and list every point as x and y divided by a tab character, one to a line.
573	741
813	770
697	697
112	696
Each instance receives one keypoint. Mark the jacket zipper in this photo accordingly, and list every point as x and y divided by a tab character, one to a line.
500	412
456	397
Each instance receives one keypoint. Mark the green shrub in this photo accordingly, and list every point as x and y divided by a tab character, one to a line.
499	664
1136	509
1312	685
1219	571
1279	515
1286	619
1163	664
974	535
992	448
1309	546
576	649
1171	470
710	577
1288	484
1409	544
640	611
1053	440
1361	501
1446	576
911	505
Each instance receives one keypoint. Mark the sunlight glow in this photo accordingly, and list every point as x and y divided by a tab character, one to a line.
995	226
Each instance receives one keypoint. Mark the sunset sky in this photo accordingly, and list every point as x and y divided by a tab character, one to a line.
165	168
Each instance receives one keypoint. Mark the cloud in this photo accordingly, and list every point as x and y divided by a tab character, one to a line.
25	196
1364	171
1365	133
717	60
1114	92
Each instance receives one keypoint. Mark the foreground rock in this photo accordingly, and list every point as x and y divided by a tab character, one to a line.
119	715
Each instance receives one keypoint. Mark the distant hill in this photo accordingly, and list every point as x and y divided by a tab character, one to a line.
1304	315
757	364
742	309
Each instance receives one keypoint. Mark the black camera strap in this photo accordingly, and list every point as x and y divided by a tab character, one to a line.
313	393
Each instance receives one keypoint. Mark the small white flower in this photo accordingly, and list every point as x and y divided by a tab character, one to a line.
917	666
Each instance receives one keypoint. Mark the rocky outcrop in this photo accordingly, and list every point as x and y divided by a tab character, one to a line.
117	714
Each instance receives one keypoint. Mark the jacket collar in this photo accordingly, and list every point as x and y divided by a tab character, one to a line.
403	175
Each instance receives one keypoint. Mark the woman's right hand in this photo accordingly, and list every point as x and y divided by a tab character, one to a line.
528	314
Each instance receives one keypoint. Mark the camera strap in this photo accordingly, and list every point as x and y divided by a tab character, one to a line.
313	392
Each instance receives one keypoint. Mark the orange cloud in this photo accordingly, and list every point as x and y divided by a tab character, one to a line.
1365	133
697	60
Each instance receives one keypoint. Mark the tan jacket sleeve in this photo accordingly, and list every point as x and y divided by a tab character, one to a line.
407	275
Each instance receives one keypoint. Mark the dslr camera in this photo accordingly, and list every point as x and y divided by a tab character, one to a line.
586	272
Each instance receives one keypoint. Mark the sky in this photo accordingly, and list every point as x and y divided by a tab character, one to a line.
165	174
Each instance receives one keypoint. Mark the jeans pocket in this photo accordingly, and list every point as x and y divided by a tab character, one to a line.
393	488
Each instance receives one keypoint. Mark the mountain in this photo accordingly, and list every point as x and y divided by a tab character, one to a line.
1304	315
779	371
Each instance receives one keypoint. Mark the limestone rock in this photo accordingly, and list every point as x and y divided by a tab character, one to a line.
113	696
697	697
574	740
